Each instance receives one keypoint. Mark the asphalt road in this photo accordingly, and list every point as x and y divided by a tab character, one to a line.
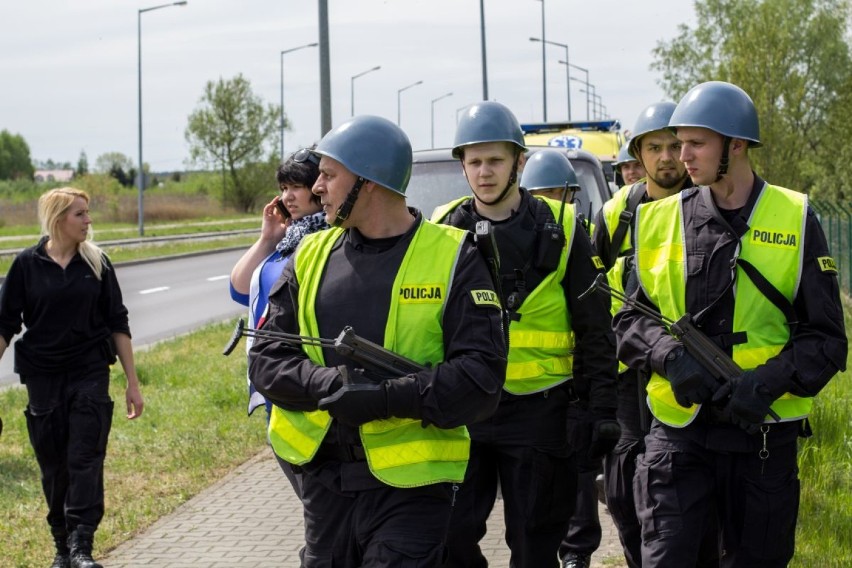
167	298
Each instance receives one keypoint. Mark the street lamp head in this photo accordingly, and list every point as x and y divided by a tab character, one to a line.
183	3
534	39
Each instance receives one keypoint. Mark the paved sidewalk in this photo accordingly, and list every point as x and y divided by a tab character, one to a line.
230	525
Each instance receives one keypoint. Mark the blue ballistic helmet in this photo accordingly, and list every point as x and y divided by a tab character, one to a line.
487	121
373	148
624	156
548	168
654	117
720	107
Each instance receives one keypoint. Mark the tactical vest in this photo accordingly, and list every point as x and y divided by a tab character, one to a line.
612	211
541	340
400	452
773	244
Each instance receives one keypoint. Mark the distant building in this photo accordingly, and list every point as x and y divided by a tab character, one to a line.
53	175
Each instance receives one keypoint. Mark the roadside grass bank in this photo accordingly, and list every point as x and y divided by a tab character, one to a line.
824	533
125	253
193	431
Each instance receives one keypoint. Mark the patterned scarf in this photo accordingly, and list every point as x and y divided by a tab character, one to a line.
298	229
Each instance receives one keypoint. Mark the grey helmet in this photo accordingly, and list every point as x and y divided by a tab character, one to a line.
487	121
548	168
721	107
655	117
373	148
624	156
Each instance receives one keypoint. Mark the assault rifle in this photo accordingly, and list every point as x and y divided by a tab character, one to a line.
370	356
696	343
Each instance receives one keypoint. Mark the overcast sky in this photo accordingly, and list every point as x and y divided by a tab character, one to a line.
69	69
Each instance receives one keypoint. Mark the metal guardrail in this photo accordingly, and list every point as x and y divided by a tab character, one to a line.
836	220
148	240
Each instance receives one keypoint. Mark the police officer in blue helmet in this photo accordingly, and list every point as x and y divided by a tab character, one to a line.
750	261
549	173
380	453
545	260
629	169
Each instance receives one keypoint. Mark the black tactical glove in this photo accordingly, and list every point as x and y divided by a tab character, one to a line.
605	435
691	382
364	397
356	404
749	404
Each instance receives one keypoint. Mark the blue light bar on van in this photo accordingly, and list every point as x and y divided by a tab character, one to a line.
599	125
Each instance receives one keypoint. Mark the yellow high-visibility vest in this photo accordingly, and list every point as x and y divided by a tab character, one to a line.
773	244
400	451
541	340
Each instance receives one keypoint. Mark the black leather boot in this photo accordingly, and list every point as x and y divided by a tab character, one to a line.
60	541
80	542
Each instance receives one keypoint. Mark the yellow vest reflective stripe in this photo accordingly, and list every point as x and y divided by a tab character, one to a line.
541	342
615	275
400	452
773	244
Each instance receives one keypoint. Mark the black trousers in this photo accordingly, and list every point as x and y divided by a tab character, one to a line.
522	449
715	473
69	417
584	529
377	526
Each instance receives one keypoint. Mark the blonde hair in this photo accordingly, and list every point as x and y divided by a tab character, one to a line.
53	206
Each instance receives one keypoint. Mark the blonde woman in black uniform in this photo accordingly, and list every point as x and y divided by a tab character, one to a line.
64	290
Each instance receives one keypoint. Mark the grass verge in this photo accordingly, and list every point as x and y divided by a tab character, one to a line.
193	431
824	532
123	253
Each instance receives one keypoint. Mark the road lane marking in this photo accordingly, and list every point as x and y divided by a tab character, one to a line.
215	278
154	290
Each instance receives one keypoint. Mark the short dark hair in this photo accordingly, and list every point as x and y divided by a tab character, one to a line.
298	172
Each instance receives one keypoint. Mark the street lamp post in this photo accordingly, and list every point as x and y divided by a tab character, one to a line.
458	112
282	88
543	66
596	98
140	175
567	69
586	71
398	93
433	114
482	39
352	88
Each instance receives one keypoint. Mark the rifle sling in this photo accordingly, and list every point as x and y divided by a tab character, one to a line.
759	280
625	218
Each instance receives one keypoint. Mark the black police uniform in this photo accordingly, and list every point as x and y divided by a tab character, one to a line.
634	418
687	472
63	359
351	518
524	446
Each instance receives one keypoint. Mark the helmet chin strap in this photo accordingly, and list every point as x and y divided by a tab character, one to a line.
345	210
724	161
512	179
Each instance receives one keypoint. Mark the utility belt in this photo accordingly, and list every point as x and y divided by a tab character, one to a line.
567	387
331	451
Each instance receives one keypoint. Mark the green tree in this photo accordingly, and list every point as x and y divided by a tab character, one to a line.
230	130
791	56
108	161
15	159
82	164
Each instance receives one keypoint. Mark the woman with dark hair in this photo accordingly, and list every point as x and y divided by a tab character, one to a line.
290	216
65	292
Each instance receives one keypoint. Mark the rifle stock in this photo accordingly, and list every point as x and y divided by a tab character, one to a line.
370	356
